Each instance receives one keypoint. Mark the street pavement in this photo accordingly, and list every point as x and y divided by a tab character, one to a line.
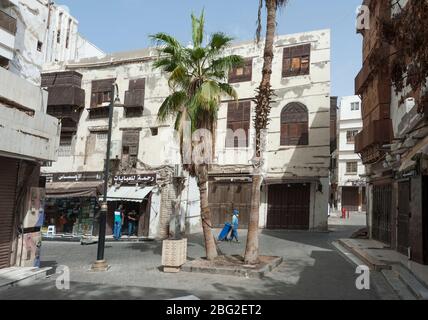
312	269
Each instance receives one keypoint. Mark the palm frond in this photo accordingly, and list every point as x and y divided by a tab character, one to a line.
228	90
171	105
164	39
219	41
198	29
227	63
178	77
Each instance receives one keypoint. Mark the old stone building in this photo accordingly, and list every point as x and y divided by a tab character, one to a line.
146	164
35	32
351	190
393	142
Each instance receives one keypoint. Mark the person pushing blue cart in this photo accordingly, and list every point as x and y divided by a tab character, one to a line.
230	228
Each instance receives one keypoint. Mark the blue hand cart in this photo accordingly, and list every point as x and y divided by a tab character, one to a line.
224	232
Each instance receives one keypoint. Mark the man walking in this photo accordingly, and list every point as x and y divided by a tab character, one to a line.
235	223
118	218
132	220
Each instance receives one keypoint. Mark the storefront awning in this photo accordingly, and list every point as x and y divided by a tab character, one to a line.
74	189
128	193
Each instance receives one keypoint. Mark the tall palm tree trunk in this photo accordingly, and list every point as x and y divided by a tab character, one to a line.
210	245
263	99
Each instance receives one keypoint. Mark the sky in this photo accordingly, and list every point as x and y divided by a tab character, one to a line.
126	25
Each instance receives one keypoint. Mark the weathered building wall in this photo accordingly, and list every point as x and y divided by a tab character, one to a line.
158	149
26	130
46	33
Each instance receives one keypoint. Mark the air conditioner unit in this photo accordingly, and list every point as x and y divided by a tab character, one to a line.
115	150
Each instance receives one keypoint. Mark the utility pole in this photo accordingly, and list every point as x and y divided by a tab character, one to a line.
101	264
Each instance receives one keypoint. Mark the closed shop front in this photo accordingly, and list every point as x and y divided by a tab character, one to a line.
403	216
350	198
382	205
288	206
224	197
8	174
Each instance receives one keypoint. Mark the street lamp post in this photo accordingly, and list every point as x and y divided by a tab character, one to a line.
101	264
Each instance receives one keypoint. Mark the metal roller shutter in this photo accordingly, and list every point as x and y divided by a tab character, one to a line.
8	176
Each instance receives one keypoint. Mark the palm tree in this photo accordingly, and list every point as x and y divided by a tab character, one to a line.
197	77
263	98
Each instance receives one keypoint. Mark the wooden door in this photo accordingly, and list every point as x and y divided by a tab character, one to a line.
224	197
288	206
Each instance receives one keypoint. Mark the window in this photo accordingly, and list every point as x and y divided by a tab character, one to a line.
67	38
355	106
65	146
243	73
101	141
296	61
134	98
238	124
58	34
350	136
351	167
101	93
294	125
154	131
39	46
130	143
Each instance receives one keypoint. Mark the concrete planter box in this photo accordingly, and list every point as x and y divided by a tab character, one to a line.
174	253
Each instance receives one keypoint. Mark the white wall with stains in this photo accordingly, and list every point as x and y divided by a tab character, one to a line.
46	33
26	131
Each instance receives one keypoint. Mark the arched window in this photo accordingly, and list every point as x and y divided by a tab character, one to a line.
294	125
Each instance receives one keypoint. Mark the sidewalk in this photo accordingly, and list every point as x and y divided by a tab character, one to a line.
396	267
19	276
92	239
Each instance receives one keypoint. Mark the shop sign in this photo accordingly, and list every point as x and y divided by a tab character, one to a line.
74	176
133	179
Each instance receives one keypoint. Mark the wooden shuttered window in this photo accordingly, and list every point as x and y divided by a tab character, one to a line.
134	98
242	74
294	125
296	61
130	144
101	92
238	118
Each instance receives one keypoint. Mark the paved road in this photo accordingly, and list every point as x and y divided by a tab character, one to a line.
312	269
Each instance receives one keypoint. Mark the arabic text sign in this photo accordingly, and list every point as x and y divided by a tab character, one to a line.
75	177
133	179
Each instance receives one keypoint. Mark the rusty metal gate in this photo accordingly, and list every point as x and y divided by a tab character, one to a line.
382	203
403	217
288	206
8	174
224	197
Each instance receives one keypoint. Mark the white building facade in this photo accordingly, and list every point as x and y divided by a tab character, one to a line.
351	193
35	32
146	173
